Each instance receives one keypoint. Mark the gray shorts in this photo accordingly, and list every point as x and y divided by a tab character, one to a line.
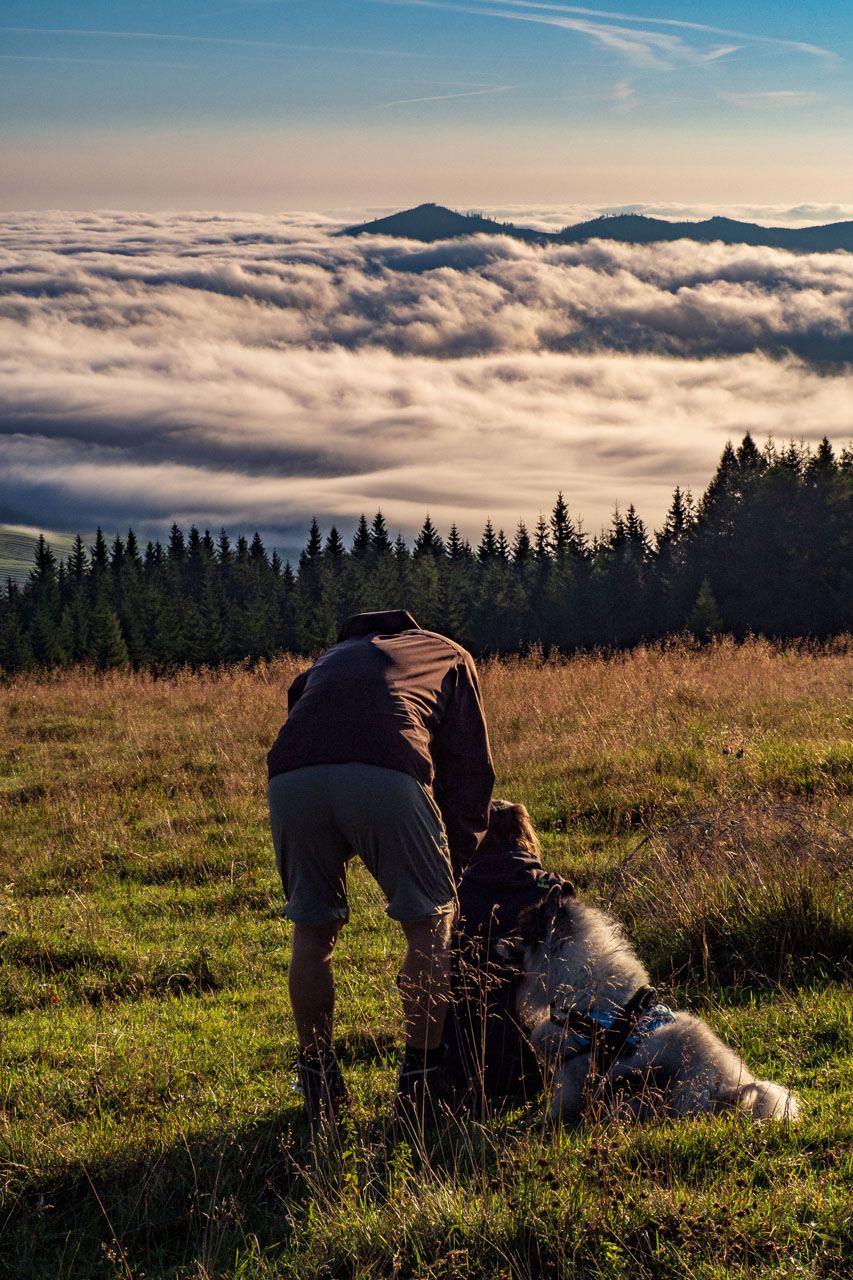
323	814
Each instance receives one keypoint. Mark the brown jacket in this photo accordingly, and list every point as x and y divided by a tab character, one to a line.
390	694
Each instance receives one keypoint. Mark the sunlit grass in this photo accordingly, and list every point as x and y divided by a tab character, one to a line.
147	1119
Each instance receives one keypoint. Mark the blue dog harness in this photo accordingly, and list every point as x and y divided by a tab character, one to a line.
610	1036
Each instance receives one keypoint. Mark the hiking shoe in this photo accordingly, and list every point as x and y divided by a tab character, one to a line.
322	1085
423	1095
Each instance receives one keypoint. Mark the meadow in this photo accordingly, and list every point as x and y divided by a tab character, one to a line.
148	1124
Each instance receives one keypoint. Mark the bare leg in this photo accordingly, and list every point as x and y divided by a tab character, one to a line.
311	984
425	979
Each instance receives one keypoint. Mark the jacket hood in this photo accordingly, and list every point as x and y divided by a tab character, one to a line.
503	866
388	621
497	885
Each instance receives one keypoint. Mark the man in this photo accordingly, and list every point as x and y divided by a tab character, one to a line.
385	753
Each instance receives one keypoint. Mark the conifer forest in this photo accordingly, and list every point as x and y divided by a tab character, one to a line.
767	549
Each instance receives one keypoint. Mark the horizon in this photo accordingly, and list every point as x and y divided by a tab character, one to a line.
544	216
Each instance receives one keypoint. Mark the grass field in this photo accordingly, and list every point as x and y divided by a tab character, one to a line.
147	1121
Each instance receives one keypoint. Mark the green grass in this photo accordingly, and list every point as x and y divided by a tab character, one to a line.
147	1121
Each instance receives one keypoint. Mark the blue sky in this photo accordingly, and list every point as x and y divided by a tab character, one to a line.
266	104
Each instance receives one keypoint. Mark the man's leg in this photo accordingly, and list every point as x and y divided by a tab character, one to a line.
425	979
312	997
311	984
424	989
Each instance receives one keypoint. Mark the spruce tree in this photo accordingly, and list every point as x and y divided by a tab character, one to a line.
542	545
429	541
361	538
704	620
107	647
78	561
177	546
257	553
334	550
673	578
224	551
488	548
15	650
562	533
154	559
117	554
522	548
453	546
74	629
42	579
380	543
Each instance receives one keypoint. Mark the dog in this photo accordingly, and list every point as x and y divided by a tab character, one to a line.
596	1026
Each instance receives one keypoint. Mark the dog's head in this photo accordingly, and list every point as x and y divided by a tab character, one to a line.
537	923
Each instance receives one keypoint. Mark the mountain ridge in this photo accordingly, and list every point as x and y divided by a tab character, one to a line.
430	222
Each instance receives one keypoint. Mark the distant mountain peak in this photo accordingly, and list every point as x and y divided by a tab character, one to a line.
429	222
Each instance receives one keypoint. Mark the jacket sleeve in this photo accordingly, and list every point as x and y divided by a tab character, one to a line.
464	774
296	690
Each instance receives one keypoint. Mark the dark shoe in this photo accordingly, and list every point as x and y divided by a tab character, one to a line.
323	1088
423	1096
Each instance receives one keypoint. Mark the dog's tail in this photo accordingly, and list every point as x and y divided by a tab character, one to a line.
766	1100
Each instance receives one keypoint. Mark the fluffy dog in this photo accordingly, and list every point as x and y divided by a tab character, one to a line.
593	1020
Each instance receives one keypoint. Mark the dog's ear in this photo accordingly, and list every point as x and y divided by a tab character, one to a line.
559	897
533	922
561	914
510	950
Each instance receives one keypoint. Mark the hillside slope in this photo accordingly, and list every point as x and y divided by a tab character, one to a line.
430	222
17	549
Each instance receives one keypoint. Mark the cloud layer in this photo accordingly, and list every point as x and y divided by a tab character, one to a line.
253	372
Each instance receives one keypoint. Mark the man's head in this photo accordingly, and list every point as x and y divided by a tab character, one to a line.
387	621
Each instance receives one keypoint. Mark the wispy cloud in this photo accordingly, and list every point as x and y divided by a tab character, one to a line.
772	100
641	47
623	97
651	50
671	22
210	40
93	62
443	97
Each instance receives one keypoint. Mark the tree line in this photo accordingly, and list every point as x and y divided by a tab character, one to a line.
768	549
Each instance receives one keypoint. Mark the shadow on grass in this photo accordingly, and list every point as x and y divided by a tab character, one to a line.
269	1201
194	1204
195	1208
375	1049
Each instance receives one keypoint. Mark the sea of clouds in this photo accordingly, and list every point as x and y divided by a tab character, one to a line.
254	371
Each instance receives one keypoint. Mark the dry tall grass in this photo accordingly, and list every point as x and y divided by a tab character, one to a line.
164	779
706	794
595	746
633	710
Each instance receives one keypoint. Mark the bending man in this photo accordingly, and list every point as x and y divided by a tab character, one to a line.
384	754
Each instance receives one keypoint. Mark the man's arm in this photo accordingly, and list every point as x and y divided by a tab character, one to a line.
464	773
296	690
